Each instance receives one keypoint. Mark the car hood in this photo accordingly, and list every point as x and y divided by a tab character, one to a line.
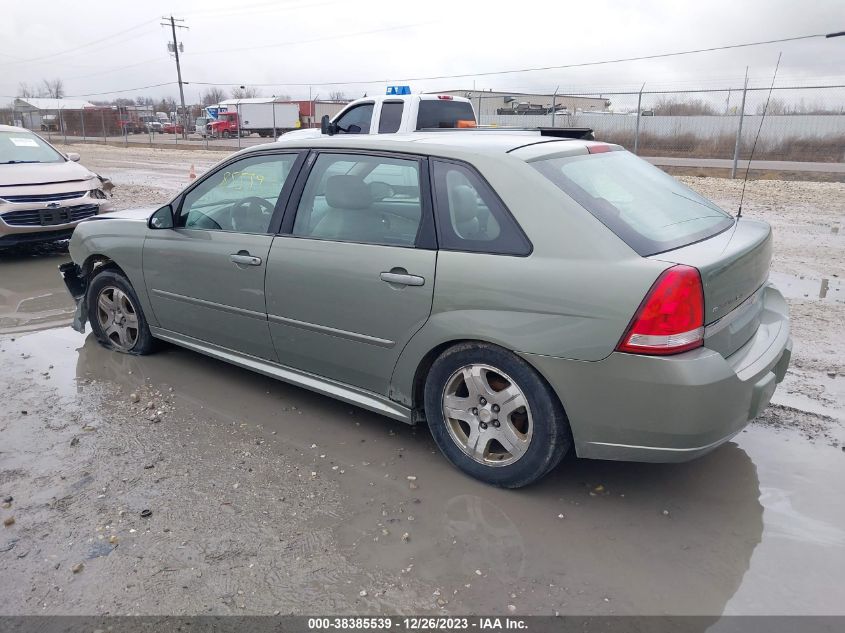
312	132
42	173
141	214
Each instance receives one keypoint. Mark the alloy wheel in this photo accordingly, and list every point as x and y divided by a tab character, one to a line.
117	317
487	415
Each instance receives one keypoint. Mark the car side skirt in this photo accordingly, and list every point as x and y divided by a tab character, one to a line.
346	393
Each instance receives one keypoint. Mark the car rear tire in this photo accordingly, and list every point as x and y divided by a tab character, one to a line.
115	313
493	416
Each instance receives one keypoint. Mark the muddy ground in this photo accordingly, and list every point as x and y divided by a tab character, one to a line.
266	498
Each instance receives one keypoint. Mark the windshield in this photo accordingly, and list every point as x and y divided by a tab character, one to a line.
25	147
443	113
647	208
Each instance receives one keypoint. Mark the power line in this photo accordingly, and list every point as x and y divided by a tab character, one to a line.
152	60
319	39
112	92
76	48
264	7
532	69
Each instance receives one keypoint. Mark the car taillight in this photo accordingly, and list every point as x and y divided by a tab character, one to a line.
465	123
671	317
445	97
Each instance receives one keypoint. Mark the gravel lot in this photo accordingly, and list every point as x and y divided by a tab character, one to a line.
265	498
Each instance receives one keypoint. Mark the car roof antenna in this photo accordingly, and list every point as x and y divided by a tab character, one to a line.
756	138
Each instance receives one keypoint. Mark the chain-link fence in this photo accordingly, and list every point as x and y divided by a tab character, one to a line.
804	123
801	123
114	125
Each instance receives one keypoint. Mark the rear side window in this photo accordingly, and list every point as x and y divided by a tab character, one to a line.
644	206
391	117
470	216
360	198
443	113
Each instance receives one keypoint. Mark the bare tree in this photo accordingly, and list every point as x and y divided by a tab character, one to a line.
245	92
337	95
54	88
671	106
168	105
213	96
25	90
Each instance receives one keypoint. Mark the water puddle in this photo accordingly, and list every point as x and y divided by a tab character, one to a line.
32	293
826	289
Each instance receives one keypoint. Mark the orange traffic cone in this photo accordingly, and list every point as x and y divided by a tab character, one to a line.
192	174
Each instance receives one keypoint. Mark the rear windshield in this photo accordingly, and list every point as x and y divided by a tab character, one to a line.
25	147
443	113
647	208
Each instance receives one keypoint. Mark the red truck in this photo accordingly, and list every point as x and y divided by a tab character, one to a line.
262	118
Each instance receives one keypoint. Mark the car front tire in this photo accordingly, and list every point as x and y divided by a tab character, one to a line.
493	416
115	313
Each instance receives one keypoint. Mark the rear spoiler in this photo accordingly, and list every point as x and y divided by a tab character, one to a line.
583	133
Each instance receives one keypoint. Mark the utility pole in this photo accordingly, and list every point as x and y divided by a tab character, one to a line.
175	45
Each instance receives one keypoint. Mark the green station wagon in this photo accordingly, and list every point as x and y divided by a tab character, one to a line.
522	295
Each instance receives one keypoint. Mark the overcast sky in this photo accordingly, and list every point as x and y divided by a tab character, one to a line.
98	46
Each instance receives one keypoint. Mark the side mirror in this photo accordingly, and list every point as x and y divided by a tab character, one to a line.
326	126
73	156
162	219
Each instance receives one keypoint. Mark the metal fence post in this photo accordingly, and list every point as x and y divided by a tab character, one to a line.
479	107
82	118
62	122
274	118
554	103
739	127
639	116
238	110
103	122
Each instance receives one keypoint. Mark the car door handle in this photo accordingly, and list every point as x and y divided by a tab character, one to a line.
245	259
403	279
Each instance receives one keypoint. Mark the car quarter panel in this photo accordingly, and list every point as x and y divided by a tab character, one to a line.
572	297
671	408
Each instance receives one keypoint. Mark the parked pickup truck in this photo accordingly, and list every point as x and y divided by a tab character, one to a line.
392	113
397	113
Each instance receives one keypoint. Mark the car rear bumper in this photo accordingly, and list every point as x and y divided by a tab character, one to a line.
674	408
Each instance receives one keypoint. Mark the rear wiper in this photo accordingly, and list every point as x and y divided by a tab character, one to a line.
18	162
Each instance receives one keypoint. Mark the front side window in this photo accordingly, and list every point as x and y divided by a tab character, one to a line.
391	117
644	206
359	198
471	217
26	147
240	197
356	121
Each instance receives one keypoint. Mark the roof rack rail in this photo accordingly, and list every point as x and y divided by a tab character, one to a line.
583	133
